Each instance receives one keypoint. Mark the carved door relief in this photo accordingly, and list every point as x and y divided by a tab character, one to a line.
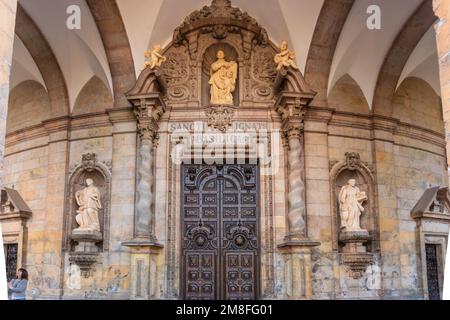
220	232
432	253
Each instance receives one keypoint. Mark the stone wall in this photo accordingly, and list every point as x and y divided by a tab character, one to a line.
7	23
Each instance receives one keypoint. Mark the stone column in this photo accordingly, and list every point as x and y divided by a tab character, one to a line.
442	10
144	246
148	114
296	248
7	24
296	197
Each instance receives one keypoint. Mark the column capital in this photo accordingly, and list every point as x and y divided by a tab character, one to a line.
292	109
148	112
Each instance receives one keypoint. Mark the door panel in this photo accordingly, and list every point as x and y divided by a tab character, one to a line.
220	232
431	251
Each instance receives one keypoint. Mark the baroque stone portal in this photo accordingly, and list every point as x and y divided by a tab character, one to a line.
223	80
88	200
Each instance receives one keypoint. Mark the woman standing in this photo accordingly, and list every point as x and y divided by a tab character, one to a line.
18	286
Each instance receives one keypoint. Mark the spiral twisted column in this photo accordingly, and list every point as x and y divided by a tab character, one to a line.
144	194
296	196
148	114
292	110
294	96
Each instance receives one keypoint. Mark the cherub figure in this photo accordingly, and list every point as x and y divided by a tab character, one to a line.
155	58
285	58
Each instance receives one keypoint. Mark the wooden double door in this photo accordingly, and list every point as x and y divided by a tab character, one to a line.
220	232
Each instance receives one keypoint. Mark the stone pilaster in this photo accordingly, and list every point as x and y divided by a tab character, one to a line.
7	23
57	167
442	10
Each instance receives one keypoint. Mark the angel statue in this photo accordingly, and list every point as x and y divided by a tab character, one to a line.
285	58
351	200
155	58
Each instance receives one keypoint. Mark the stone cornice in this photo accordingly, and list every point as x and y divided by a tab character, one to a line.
118	115
333	118
57	124
374	123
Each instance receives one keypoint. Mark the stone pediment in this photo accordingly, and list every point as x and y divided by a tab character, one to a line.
434	204
293	81
13	206
219	19
150	81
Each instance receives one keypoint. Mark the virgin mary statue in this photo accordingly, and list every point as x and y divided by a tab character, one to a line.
223	80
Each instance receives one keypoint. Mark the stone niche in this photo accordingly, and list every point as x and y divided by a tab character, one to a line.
209	58
357	248
84	246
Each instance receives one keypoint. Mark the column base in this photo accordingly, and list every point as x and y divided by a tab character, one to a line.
297	268
144	266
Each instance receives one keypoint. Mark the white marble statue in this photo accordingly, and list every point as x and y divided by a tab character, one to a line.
223	80
88	200
350	205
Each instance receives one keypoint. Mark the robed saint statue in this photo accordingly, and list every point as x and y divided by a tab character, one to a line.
223	80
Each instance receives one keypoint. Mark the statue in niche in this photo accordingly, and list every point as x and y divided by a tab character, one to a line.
285	58
223	80
155	58
351	200
88	200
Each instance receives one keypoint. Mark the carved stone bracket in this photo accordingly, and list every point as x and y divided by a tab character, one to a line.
220	117
86	251
357	263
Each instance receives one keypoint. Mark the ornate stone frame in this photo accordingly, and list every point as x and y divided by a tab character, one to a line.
266	227
105	170
353	162
433	238
432	228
